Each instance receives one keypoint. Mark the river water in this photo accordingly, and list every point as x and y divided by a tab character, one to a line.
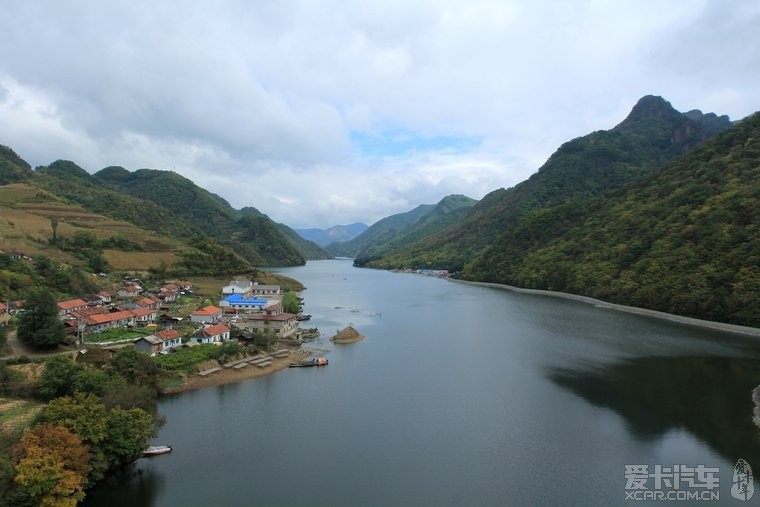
459	395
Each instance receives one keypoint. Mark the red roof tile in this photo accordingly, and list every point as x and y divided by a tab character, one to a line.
168	334
71	303
208	310
215	330
104	318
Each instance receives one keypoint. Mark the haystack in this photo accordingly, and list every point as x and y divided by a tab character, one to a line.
347	335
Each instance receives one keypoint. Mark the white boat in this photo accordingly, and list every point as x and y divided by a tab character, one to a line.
155	450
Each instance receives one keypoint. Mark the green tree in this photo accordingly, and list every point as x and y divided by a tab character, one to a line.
82	414
290	302
128	434
54	226
87	418
51	466
39	324
58	377
137	367
3	336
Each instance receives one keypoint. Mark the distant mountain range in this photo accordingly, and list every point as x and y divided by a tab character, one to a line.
398	231
336	233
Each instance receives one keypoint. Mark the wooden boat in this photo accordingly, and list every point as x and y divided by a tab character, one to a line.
316	361
155	450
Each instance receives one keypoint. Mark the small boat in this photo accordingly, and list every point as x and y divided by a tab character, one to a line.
155	450
303	317
316	361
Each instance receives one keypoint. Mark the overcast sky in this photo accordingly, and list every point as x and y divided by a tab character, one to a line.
329	112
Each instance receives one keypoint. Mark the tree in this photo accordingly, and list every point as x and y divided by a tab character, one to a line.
86	417
51	465
128	435
82	414
137	367
39	324
58	377
290	302
54	225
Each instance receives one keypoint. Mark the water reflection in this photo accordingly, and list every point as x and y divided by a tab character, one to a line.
708	396
136	484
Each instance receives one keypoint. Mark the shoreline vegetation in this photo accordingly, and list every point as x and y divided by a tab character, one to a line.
691	321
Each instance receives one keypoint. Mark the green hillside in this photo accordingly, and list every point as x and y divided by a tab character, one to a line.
73	184
586	167
447	212
684	240
379	233
12	168
261	241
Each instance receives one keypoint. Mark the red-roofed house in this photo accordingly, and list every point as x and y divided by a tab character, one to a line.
3	308
171	338
71	305
104	296
103	321
211	334
144	315
168	293
148	303
206	315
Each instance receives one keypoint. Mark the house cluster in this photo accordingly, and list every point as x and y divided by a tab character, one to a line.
245	304
130	306
258	309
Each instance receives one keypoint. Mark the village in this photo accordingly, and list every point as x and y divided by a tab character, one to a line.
131	315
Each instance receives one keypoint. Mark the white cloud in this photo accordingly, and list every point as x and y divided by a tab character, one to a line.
260	101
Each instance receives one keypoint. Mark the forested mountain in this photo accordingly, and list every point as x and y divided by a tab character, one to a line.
396	231
251	233
684	239
447	212
172	207
586	167
12	168
380	231
334	234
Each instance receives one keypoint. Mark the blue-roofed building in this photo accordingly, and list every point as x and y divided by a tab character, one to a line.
240	302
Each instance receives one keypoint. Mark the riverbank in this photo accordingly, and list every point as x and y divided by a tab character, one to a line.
234	375
708	324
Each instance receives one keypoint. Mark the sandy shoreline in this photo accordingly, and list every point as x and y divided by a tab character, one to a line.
720	326
232	375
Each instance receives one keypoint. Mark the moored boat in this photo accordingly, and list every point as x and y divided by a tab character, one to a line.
155	450
315	361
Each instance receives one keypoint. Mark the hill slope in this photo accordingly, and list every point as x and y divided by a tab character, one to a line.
380	232
251	233
403	229
447	212
684	240
589	166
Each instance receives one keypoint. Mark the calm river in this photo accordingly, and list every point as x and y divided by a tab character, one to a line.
459	395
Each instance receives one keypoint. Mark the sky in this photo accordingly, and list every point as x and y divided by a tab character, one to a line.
322	112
